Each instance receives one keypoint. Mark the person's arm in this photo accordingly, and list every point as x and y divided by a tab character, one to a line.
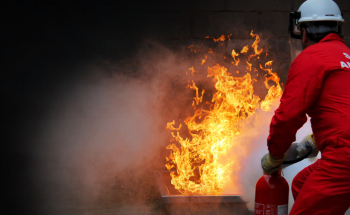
303	86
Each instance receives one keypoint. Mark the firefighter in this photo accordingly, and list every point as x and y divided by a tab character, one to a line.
318	85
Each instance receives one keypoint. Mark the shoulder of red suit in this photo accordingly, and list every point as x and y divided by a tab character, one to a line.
325	54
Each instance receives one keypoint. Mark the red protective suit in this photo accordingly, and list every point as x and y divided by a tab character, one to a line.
318	84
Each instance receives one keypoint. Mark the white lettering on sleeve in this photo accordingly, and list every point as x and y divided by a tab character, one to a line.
348	63
346	55
343	65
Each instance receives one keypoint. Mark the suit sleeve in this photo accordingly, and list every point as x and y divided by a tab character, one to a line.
302	88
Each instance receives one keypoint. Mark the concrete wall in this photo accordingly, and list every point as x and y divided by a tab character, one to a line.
125	24
194	20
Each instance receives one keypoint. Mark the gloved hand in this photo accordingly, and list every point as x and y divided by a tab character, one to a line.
307	141
271	164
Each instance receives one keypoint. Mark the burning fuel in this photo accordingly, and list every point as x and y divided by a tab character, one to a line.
196	160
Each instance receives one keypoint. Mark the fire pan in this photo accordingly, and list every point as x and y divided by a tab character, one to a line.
179	204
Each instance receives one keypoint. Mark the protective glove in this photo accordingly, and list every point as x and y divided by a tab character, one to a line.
271	164
308	141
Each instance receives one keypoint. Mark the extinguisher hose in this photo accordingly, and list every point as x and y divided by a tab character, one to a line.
308	152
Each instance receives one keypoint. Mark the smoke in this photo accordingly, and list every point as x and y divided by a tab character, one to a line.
97	131
105	133
251	146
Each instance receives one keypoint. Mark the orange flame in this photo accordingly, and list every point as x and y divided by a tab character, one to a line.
274	91
192	70
234	55
204	60
255	46
269	63
249	67
199	169
221	38
245	49
197	99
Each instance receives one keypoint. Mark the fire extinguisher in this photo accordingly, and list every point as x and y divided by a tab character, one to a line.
271	195
272	191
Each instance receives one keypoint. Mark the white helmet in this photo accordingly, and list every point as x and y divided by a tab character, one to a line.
312	11
320	10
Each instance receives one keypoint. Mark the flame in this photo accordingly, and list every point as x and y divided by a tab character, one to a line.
192	70
251	34
245	49
234	55
257	51
198	164
274	91
197	99
204	60
268	63
249	67
221	38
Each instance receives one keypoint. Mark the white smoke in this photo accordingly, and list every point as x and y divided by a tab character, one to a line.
253	140
94	132
103	129
105	133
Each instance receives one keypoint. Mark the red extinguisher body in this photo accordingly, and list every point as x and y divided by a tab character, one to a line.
271	195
